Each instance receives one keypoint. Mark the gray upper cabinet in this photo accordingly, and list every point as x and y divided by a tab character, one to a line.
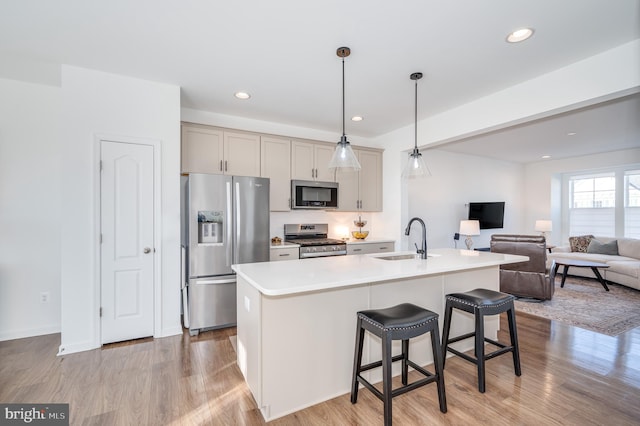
207	149
362	191
310	161
275	164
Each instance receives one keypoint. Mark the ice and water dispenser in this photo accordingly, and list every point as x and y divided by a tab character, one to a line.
210	226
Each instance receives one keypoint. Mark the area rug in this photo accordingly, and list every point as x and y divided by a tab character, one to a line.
584	303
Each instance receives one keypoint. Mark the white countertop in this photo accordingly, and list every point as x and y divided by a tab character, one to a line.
284	244
322	273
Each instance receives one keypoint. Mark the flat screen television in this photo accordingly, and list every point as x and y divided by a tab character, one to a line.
490	215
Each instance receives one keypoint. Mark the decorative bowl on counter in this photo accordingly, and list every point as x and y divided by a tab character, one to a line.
360	235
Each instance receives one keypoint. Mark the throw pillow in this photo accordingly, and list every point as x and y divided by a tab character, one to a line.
598	247
580	243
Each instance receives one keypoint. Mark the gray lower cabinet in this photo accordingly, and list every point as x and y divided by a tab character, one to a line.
290	253
373	247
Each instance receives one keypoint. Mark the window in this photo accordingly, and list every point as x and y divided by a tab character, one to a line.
604	203
592	204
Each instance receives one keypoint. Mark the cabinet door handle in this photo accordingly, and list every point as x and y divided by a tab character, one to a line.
284	254
225	165
357	249
220	165
383	248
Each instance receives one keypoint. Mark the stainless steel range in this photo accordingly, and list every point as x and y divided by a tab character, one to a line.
313	241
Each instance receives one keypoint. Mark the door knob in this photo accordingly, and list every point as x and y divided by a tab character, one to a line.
147	250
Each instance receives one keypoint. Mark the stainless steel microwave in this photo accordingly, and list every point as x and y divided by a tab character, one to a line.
309	194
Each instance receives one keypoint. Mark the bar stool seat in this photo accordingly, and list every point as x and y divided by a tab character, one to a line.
481	302
400	322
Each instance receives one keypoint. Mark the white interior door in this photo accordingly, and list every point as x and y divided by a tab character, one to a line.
127	249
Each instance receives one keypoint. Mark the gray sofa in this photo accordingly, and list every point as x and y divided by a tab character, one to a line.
624	267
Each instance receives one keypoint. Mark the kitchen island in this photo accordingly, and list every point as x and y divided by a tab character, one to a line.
297	319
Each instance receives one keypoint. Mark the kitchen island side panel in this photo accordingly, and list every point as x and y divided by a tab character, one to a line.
248	337
307	347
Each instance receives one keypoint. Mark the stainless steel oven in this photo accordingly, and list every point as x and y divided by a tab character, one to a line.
313	241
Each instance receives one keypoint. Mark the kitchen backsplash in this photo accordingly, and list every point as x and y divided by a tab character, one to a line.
340	223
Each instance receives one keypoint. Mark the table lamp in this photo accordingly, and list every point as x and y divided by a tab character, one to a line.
469	228
543	226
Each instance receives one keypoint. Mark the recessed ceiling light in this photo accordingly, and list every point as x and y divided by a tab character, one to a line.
520	35
356	118
571	134
242	95
546	156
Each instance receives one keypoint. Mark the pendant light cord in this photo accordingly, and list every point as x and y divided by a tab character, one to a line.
343	110
416	118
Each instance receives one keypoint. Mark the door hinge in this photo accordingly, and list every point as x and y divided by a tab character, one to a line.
100	238
100	165
100	311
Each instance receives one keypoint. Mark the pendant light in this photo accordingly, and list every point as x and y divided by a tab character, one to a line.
344	157
416	166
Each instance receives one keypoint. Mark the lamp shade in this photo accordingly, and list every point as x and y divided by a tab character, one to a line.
344	157
470	227
543	226
416	166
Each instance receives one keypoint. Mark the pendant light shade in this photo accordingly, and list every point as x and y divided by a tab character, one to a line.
343	157
416	166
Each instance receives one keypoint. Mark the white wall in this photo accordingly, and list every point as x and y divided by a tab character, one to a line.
441	200
100	103
542	185
29	209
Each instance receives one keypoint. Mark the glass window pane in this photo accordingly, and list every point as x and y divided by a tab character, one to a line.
632	189
607	183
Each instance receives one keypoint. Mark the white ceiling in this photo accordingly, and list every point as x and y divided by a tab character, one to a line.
283	52
608	126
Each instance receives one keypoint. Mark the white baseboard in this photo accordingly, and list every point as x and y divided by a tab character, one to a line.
76	347
29	332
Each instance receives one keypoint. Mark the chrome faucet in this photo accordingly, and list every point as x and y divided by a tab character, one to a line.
422	251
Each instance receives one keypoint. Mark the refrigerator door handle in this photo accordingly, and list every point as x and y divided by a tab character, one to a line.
222	281
238	224
183	267
183	288
230	242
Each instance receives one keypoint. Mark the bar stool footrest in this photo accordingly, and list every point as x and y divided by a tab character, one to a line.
461	337
429	378
379	363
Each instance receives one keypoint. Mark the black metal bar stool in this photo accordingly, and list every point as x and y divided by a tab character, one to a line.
481	302
400	322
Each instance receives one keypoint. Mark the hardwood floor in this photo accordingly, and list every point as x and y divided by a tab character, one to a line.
570	377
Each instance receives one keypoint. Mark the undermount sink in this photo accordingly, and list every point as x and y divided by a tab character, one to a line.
398	257
402	256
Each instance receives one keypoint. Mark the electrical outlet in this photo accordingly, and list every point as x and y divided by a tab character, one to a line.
44	297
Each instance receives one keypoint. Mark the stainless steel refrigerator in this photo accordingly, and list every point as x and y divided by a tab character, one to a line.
225	221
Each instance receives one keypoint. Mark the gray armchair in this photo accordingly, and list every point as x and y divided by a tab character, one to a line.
524	279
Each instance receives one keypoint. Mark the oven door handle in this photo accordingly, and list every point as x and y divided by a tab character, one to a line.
324	254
